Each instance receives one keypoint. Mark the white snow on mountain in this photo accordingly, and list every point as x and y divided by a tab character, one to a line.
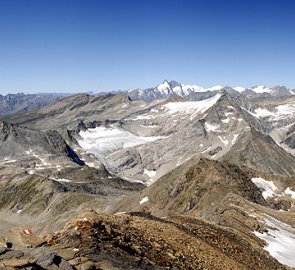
280	240
194	88
281	112
191	106
267	188
261	89
235	138
288	191
164	88
101	140
286	109
209	127
262	112
239	89
223	140
144	200
215	88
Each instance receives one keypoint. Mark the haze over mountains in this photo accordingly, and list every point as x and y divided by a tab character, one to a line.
182	177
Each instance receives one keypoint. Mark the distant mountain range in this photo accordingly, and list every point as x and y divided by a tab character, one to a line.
21	103
196	92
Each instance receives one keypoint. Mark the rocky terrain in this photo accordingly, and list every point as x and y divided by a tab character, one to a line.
140	241
193	178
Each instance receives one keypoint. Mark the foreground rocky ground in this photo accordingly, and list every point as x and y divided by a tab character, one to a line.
136	240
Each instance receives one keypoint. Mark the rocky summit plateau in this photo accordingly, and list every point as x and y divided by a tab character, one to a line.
170	177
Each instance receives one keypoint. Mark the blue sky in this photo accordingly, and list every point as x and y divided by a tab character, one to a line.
90	45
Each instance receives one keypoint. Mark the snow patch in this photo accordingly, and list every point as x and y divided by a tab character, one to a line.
119	213
149	126
268	188
10	161
288	191
261	112
280	240
282	110
261	89
239	89
225	120
211	127
143	117
224	141
150	174
191	106
194	88
235	138
43	161
286	109
144	200
29	152
215	88
62	180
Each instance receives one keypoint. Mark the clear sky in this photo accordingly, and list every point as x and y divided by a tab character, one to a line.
90	45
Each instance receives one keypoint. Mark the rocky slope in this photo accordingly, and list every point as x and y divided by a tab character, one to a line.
197	185
143	241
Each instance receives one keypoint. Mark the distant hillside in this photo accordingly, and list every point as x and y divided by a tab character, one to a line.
21	103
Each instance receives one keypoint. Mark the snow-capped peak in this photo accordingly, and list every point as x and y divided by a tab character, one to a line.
193	87
261	89
240	89
164	88
215	88
197	92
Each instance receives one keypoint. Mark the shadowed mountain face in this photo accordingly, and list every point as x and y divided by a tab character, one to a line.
262	153
19	144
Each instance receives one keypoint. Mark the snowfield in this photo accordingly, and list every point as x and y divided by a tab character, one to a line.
101	141
191	106
280	241
261	89
144	200
285	109
268	188
282	111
